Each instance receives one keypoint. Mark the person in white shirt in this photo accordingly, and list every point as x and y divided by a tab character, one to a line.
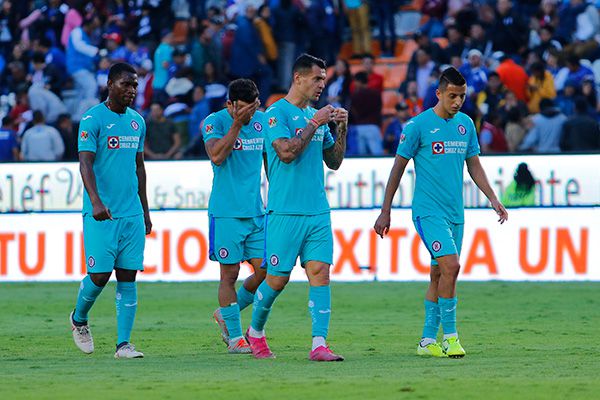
41	142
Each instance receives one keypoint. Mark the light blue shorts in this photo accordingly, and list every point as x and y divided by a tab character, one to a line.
440	236
290	236
233	240
117	243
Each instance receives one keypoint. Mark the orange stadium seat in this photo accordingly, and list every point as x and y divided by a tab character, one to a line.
410	46
273	98
389	99
441	41
396	75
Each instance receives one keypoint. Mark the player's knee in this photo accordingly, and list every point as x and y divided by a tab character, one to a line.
101	279
125	275
434	273
451	270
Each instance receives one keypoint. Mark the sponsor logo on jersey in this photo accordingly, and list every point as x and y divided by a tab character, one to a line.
272	122
402	138
238	144
257	127
83	136
437	147
299	131
436	246
462	130
223	252
135	125
208	128
274	260
113	142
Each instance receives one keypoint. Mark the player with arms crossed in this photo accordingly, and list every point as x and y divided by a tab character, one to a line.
440	140
298	221
234	140
115	207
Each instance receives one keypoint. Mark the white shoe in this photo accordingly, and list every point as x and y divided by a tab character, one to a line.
82	336
128	351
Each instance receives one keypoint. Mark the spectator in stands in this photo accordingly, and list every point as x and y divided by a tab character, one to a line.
580	132
200	110
511	102
41	142
144	92
21	113
113	43
566	100
54	55
80	59
421	72
393	131
574	72
475	73
44	75
8	27
588	91
513	76
456	43
68	132
261	23
547	15
385	11
478	40
214	86
337	86
547	43
9	147
248	54
509	32
491	136
322	29
288	27
541	86
163	57
375	80
73	19
437	54
514	130
521	191
366	109
358	17
136	54
412	99
162	139
47	102
544	136
436	11
202	51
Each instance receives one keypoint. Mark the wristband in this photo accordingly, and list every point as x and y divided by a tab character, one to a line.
314	121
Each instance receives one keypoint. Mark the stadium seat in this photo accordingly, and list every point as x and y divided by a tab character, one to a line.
273	98
396	75
441	41
410	46
389	99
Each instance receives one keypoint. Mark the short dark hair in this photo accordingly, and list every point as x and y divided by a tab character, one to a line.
38	116
119	68
581	105
63	117
305	62
361	77
7	120
242	89
451	76
38	58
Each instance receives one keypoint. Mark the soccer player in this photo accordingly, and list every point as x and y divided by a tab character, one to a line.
298	221
115	207
440	140
234	139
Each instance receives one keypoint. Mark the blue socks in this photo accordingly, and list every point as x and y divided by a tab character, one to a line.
88	292
263	300
231	315
448	314
126	302
432	320
244	297
319	306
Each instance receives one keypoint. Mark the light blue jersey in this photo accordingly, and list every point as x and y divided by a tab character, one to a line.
296	188
116	139
439	147
236	183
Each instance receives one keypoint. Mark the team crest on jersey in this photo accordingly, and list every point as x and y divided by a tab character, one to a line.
437	147
274	260
91	261
135	125
299	131
113	142
257	127
208	128
402	138
462	130
238	144
272	122
223	252
83	136
436	246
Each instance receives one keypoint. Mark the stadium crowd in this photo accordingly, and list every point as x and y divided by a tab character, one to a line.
532	67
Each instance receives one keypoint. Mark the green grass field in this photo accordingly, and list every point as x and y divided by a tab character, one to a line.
524	341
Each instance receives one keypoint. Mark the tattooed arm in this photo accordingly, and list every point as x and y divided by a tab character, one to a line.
334	155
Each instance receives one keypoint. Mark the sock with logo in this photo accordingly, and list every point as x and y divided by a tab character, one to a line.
319	306
432	320
126	303
88	292
263	300
448	314
231	316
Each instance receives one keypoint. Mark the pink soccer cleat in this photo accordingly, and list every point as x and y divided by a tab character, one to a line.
323	353
259	346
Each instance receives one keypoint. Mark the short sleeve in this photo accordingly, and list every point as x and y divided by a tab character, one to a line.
89	131
473	146
328	141
276	124
211	128
142	136
409	141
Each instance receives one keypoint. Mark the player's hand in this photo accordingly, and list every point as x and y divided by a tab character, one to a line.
340	116
148	223
324	115
243	114
382	225
500	210
101	213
